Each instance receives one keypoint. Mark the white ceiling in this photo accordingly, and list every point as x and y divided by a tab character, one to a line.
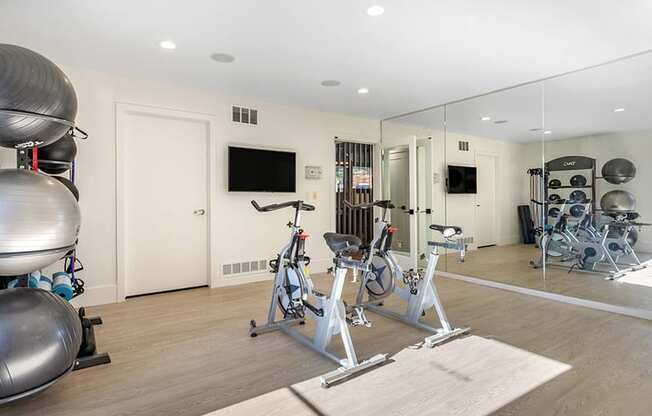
419	53
573	105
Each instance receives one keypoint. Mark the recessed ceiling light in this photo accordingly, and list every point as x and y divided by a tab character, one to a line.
330	83
547	132
223	58
485	118
363	90
375	10
536	129
619	110
168	44
500	121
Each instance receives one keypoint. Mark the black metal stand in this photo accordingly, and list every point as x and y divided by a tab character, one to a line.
88	355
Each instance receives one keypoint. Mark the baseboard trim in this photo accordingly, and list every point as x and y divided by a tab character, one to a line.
591	304
96	295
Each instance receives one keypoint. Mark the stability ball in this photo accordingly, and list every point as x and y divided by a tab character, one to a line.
40	221
577	196
618	171
554	183
30	83
41	336
63	150
69	184
618	201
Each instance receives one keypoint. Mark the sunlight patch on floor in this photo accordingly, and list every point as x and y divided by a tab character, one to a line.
641	277
468	376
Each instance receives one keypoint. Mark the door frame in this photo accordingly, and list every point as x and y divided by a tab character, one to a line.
496	159
122	111
410	261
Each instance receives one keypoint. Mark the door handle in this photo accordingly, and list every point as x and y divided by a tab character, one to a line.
199	212
407	210
426	211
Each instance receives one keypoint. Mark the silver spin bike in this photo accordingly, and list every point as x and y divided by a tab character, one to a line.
385	276
293	294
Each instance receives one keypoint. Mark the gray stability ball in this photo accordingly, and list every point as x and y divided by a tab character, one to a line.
41	337
40	221
618	171
30	83
618	201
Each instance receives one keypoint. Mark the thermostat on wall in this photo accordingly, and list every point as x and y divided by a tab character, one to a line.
313	172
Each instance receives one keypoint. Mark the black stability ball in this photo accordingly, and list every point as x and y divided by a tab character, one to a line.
578	180
41	336
618	171
31	83
577	196
69	184
63	150
554	183
577	211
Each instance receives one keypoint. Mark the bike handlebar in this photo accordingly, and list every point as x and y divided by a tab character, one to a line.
300	205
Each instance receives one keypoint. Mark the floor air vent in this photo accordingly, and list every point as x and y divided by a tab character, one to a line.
463	146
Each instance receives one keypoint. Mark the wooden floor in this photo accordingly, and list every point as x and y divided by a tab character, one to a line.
188	353
510	264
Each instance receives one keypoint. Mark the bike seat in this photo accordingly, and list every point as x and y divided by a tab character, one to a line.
342	243
447	230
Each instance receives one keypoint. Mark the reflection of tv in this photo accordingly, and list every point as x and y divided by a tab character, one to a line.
258	170
462	180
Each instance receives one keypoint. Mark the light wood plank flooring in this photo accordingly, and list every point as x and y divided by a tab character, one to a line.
188	353
510	264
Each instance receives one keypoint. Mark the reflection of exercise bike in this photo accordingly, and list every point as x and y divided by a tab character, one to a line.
583	247
384	277
294	295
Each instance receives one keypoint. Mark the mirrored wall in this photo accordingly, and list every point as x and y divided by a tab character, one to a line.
549	182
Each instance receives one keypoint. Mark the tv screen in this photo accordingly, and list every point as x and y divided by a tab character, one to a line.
462	180
258	170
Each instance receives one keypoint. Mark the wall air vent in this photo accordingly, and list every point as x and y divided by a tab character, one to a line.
463	146
244	115
244	268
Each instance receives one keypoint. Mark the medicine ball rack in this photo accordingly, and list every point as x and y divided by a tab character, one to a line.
88	355
566	164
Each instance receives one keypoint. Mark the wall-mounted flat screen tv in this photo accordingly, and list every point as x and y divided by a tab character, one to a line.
462	180
260	170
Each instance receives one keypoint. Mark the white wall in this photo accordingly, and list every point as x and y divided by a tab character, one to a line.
635	146
511	179
243	234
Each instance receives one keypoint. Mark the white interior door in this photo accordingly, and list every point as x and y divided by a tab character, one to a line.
486	200
164	201
399	176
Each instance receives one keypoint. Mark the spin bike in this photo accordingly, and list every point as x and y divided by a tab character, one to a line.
293	295
385	276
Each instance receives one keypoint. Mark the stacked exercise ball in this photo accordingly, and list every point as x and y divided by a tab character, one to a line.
39	99
618	171
41	332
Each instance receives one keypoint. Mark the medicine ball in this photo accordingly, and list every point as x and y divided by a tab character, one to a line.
40	221
554	198
578	180
554	183
618	201
577	211
31	83
69	184
577	196
41	335
63	150
553	212
618	171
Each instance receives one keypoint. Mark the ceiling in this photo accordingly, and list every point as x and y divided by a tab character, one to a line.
417	54
572	105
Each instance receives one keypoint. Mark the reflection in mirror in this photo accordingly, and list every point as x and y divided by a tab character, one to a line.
420	202
491	142
597	239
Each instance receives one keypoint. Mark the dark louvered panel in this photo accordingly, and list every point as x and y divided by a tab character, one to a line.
354	183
